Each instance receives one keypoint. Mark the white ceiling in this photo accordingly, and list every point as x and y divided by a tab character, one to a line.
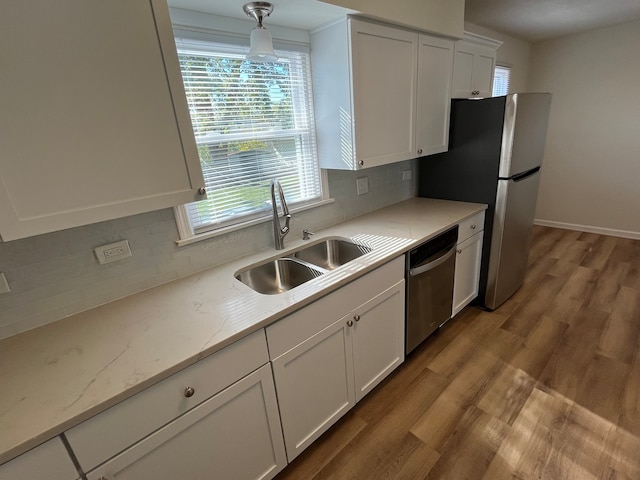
528	19
542	19
301	14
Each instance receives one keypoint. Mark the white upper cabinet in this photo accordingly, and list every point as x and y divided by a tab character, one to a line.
435	62
365	94
377	89
473	66
94	121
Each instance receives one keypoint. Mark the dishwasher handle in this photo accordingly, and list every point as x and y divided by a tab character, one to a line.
433	264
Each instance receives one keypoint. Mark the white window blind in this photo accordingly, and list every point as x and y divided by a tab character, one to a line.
501	78
253	122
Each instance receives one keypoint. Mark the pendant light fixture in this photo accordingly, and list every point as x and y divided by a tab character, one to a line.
261	49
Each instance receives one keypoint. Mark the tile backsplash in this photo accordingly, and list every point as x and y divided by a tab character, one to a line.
56	275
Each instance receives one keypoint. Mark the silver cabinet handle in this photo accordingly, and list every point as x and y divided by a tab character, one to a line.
419	151
356	318
459	250
473	227
202	190
361	163
349	323
189	391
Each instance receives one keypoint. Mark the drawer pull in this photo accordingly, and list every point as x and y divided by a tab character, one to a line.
473	227
189	391
349	323
459	250
356	318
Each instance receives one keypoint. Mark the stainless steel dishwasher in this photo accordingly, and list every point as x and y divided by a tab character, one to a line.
430	270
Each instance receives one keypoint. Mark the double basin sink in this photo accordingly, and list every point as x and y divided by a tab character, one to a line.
295	268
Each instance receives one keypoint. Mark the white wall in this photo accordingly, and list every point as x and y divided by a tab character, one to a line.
591	171
513	52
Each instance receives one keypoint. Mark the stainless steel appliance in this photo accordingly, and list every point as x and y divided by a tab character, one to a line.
430	269
495	153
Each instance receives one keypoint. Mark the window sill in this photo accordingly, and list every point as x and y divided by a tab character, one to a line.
188	240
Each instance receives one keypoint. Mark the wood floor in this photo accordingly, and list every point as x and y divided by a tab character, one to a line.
545	387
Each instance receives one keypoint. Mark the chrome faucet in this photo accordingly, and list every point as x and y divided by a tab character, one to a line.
279	232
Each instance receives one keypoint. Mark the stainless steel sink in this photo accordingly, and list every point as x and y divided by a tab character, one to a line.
277	276
331	253
295	268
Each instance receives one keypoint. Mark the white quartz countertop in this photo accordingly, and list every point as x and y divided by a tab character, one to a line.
56	376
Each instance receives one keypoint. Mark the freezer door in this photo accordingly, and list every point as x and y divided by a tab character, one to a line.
524	132
511	238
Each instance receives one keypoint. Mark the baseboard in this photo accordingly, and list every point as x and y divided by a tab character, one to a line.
589	229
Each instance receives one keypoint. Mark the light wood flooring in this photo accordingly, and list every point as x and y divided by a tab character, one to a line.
545	387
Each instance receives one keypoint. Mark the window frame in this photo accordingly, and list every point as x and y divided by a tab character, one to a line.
185	39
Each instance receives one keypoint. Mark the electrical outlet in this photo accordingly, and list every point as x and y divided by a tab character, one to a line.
362	185
4	286
406	175
112	252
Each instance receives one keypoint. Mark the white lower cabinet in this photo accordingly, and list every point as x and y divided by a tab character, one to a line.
468	261
199	423
323	366
315	386
378	338
233	435
49	460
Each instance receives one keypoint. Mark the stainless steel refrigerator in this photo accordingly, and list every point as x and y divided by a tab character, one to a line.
495	153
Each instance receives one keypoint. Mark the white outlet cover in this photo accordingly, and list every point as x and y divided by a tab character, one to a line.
362	185
112	252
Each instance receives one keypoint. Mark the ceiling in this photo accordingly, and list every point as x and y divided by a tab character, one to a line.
535	20
302	14
531	20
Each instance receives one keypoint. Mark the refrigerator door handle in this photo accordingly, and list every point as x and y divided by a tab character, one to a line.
521	176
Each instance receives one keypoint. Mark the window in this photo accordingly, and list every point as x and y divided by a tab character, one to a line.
501	77
252	122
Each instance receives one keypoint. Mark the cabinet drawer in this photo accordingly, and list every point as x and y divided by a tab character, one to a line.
235	435
294	329
113	430
470	226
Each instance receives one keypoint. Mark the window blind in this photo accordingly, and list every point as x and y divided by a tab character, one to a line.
501	77
253	122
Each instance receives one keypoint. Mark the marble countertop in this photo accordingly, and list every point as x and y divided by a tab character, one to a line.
58	375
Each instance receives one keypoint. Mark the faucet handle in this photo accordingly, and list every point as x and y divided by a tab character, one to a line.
285	229
306	233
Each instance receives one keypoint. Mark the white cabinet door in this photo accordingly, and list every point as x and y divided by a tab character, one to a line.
49	460
235	435
378	338
435	64
94	121
473	67
384	70
315	385
365	85
467	273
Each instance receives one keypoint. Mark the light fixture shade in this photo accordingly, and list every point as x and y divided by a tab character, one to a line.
261	49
